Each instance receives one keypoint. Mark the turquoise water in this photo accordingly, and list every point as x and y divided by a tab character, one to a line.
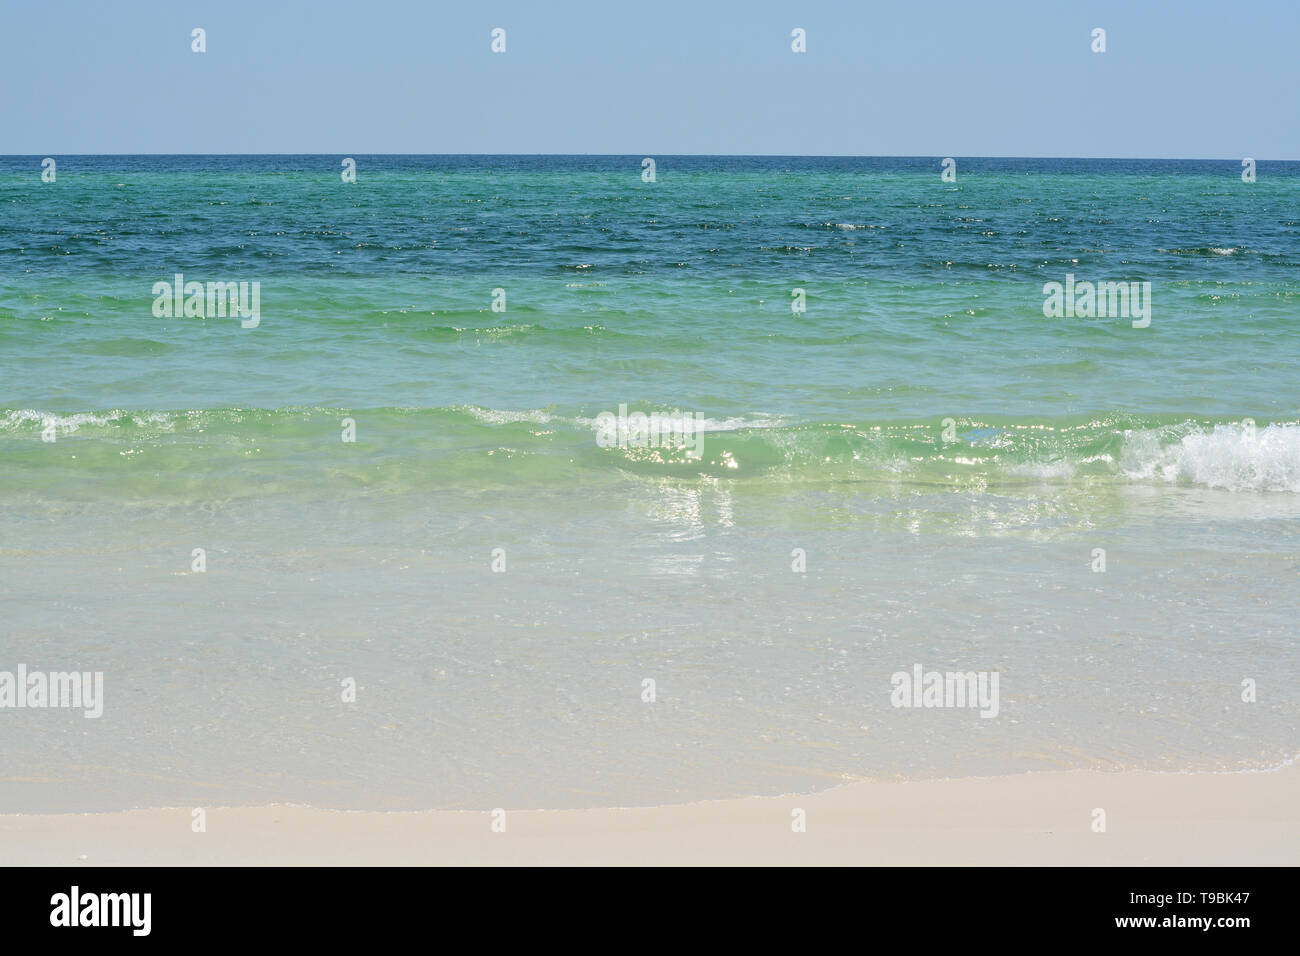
947	457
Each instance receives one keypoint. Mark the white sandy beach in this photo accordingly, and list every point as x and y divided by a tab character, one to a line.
1042	818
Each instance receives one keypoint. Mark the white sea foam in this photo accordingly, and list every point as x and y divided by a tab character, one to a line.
734	423
495	416
1044	470
20	418
1232	457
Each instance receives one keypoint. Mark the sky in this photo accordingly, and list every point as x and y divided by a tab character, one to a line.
1188	79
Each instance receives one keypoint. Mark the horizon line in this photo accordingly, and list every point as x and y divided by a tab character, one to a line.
1178	159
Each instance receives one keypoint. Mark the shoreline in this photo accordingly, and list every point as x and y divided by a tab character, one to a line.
1039	818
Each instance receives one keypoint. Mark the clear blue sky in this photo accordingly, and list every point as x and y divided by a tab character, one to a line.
1188	79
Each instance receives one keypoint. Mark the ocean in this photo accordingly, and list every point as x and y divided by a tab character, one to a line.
376	545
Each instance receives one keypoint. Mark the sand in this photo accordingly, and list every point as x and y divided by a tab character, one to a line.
1039	818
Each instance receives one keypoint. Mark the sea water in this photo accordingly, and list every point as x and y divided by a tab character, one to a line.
370	552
